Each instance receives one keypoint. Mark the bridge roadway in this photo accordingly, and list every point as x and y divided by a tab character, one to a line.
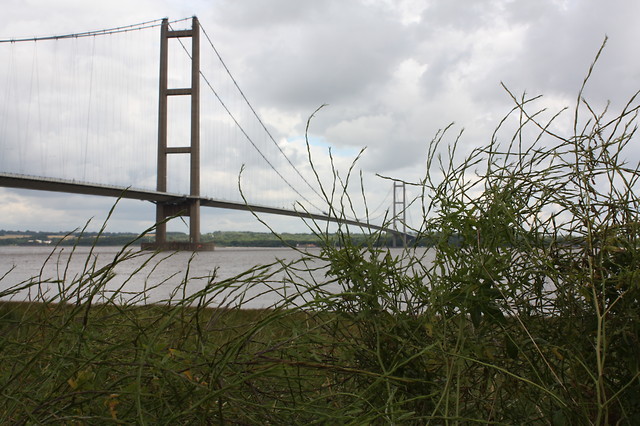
10	180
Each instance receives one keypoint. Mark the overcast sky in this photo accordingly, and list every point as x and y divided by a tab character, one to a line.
391	73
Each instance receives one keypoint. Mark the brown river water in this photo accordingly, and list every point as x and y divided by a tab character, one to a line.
159	278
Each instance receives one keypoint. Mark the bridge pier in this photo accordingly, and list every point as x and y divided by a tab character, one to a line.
187	207
399	219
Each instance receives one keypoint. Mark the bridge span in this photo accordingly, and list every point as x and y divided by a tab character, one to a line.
185	92
38	183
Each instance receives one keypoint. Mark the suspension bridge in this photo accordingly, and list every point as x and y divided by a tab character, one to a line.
101	113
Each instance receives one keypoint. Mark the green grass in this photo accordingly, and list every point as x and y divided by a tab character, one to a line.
148	364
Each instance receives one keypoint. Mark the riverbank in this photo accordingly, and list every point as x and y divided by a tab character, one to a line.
219	238
345	334
387	344
168	364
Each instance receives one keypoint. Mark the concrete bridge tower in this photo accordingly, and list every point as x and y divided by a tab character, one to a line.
191	205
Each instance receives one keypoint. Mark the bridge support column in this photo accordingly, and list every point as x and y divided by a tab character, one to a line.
399	214
194	221
191	206
161	226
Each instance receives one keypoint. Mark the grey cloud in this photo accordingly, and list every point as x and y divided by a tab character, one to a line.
462	15
290	57
320	54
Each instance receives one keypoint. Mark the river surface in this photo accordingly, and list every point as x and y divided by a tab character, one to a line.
159	277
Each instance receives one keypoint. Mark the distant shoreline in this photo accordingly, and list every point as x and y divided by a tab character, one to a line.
220	238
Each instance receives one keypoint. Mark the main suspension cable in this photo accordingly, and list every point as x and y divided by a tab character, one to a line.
106	31
246	135
256	114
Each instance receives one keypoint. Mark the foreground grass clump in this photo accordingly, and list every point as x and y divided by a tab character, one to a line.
526	310
150	363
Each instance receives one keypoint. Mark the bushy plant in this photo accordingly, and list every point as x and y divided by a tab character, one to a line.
529	309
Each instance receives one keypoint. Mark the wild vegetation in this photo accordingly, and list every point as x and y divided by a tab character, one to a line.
526	310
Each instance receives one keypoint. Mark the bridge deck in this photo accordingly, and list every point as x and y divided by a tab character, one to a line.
11	180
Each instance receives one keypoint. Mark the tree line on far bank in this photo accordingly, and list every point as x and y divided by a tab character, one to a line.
220	238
